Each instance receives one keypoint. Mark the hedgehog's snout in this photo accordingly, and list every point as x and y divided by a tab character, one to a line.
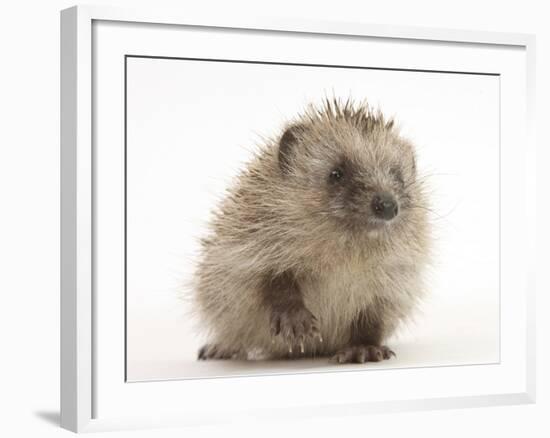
384	206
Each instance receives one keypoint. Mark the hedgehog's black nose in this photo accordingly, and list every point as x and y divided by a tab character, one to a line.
384	206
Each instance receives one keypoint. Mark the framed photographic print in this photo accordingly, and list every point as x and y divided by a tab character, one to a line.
290	218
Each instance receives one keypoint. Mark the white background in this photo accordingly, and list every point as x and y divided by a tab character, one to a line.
191	125
29	233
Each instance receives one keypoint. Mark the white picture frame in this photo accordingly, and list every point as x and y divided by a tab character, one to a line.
94	395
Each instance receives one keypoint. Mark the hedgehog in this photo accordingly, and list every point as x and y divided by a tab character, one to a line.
319	246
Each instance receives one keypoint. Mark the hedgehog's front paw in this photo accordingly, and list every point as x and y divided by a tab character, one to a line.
295	326
362	354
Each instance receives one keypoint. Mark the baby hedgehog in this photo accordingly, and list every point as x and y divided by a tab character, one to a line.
318	248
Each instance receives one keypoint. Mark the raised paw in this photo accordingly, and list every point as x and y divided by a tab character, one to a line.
295	326
362	354
215	351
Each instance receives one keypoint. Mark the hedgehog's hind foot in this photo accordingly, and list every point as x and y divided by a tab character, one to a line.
216	351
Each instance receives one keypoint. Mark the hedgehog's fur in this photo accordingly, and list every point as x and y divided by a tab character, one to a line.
282	215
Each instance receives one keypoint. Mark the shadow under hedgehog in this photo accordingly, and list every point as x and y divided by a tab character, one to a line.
319	246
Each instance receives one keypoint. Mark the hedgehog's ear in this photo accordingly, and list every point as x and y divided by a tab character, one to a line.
288	141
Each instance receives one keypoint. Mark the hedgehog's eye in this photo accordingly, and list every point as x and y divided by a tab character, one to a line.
398	175
336	174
